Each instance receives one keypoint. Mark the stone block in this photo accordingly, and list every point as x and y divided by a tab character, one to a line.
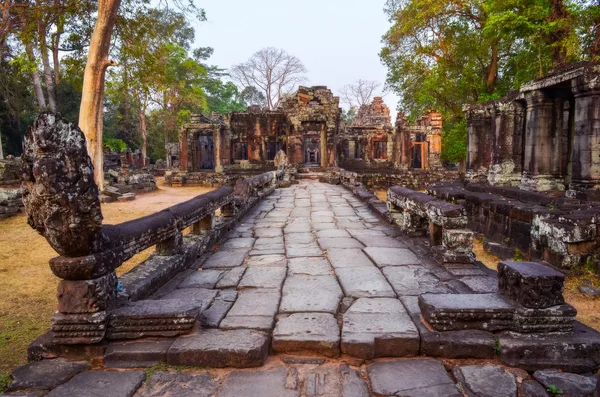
570	384
202	279
140	353
414	280
531	284
486	381
84	328
101	383
458	344
453	312
316	332
253	309
212	317
276	382
231	278
552	319
87	296
44	375
341	258
166	318
199	297
391	256
178	384
458	240
447	257
379	327
263	277
218	348
364	282
225	259
304	293
126	197
407	378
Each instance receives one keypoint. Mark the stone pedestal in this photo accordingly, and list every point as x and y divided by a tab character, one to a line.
531	284
479	142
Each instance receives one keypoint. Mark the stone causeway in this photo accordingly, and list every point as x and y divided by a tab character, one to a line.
313	294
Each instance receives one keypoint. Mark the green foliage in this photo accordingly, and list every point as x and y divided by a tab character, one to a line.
454	141
497	345
4	381
554	391
441	54
518	256
349	115
115	144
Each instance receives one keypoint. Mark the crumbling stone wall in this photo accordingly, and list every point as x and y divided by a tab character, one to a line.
543	137
10	202
523	224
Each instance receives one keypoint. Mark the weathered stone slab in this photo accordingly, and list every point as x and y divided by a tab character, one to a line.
202	279
165	317
531	388
239	243
297	225
302	293
317	332
225	259
263	277
100	384
452	312
391	256
486	381
339	242
413	280
577	352
268	242
220	348
315	266
277	382
253	309
199	296
231	278
364	282
268	232
341	258
140	353
276	260
383	241
379	327
178	384
45	374
411	378
299	238
331	233
303	250
481	284
570	384
353	385
212	317
270	251
531	284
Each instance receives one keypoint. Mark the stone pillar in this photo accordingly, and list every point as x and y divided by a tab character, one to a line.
218	149
479	142
203	225
540	172
508	125
183	156
586	140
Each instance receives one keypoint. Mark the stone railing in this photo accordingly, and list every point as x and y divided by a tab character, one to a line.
420	214
64	207
514	222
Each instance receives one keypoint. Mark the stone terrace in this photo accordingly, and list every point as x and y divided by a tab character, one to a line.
311	274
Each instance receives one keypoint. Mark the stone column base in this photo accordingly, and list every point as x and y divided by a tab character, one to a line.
541	183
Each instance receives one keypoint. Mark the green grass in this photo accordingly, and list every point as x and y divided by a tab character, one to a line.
4	381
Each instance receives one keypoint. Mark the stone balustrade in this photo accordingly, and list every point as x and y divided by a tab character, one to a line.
62	203
420	214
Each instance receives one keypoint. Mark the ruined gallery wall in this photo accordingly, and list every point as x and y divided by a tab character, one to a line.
544	137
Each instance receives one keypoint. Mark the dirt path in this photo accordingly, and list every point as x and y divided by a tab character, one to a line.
28	287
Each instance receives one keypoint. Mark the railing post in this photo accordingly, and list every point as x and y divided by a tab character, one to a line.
171	246
203	225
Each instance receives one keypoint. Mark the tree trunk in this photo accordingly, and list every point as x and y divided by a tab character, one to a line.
92	96
492	76
595	50
35	77
46	65
556	39
55	44
144	134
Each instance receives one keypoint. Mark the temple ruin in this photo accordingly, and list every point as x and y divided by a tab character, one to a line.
307	127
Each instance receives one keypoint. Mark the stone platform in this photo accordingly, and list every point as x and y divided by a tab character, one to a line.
323	295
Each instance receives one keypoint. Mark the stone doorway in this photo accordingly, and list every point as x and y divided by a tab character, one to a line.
312	151
206	152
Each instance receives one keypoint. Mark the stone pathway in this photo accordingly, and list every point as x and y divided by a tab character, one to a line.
307	287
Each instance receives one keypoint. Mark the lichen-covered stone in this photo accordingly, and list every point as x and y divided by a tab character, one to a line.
59	192
531	284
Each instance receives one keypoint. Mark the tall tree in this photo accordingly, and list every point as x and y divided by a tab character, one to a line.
359	93
273	71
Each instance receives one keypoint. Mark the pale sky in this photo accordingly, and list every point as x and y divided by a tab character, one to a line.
337	40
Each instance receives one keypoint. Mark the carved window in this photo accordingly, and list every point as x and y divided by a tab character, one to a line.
272	149
380	150
240	151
